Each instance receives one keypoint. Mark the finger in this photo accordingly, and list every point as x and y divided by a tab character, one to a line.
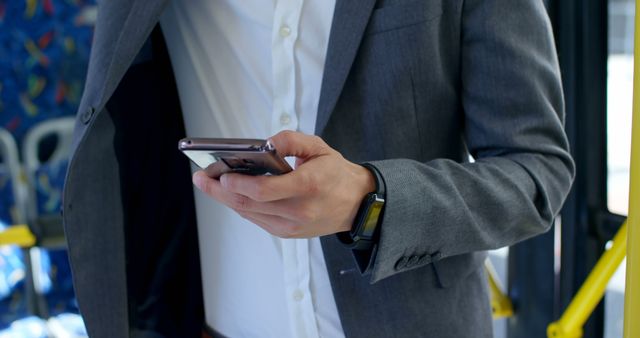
243	203
255	221
291	143
207	184
271	188
275	225
266	227
214	189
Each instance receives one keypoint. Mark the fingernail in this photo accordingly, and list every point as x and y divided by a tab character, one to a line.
198	180
224	180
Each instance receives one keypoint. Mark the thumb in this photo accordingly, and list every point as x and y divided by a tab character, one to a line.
291	143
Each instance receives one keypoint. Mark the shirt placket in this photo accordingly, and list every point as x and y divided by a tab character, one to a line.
295	252
284	36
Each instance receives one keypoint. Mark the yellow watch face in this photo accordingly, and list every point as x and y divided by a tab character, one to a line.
371	219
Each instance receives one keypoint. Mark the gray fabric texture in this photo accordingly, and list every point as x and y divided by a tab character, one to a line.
413	87
99	248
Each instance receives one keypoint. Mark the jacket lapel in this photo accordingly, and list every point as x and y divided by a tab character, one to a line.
121	30
349	22
124	25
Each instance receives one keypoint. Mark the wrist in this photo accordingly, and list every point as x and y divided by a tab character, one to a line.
362	235
368	181
365	183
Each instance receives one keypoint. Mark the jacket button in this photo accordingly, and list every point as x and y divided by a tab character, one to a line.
413	261
401	263
86	116
424	259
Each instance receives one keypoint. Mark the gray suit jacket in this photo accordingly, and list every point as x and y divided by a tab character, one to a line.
412	86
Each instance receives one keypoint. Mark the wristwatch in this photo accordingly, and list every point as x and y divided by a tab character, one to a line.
363	233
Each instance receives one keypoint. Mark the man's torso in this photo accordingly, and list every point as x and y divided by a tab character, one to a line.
248	70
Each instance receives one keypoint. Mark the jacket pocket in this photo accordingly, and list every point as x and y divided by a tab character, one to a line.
403	15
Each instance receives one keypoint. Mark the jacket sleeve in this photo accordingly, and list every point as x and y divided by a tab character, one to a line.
512	99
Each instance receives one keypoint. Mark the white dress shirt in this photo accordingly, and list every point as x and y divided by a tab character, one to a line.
250	69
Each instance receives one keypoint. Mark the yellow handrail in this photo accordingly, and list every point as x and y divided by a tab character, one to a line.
589	295
501	306
17	235
632	292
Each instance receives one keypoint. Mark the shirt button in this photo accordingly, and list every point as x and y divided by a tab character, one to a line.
298	295
285	119
285	31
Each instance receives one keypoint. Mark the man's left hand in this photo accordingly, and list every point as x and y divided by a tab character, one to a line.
320	197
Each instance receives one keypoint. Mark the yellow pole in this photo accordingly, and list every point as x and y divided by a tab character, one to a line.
632	292
501	306
589	295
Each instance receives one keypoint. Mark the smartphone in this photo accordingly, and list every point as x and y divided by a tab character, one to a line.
217	156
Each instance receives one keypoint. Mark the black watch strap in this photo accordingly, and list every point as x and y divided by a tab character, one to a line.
380	186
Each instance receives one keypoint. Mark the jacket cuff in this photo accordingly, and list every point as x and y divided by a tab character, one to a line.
365	259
